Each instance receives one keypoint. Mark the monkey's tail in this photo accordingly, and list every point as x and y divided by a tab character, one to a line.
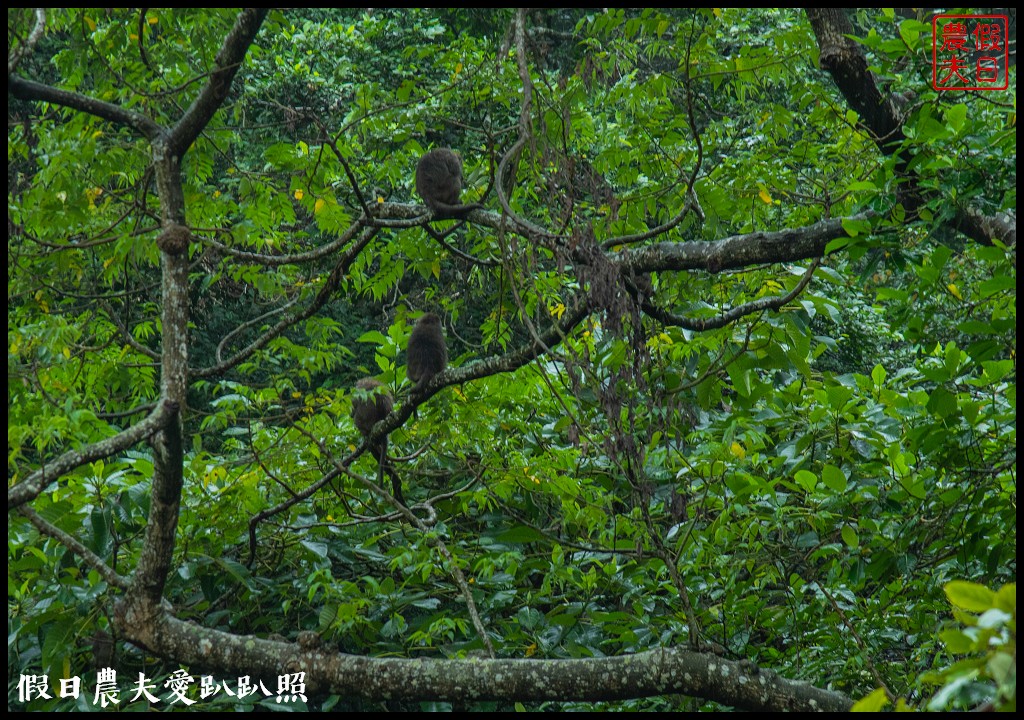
443	211
384	466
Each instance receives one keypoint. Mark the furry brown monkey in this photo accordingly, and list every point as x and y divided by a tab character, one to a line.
103	649
439	183
369	407
426	354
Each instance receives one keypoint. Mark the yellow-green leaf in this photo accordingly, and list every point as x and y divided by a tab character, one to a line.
872	703
970	596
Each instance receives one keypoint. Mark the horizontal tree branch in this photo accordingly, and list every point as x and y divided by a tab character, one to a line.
655	672
739	251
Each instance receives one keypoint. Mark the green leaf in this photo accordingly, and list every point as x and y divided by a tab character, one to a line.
969	596
956	116
943	403
1006	598
834	478
806	479
854	228
872	703
956	641
878	375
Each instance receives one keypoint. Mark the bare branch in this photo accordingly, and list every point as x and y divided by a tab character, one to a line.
330	286
645	674
730	316
30	90
740	251
278	260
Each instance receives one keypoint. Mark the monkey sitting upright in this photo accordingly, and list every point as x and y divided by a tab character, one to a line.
426	354
370	404
439	183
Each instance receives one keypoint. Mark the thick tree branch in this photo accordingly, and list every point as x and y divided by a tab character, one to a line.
158	546
656	672
984	228
37	92
226	64
739	251
35	483
843	58
157	551
734	252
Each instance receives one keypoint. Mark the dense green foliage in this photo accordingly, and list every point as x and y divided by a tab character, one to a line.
816	476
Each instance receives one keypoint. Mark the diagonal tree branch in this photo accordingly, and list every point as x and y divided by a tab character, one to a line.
733	314
226	64
30	487
844	59
68	541
15	56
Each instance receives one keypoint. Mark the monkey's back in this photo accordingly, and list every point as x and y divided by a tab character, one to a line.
367	412
426	354
439	177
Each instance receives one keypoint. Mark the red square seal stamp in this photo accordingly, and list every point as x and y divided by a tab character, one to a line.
970	52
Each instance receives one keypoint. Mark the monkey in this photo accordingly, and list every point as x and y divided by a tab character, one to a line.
439	183
370	409
371	404
426	354
103	649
